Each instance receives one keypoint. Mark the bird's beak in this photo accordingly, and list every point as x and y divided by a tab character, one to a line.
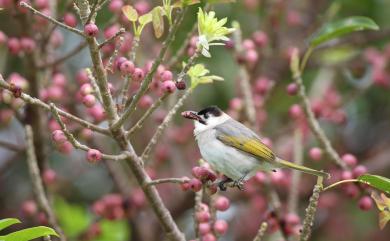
191	115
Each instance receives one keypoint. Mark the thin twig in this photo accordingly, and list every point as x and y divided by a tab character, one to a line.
168	180
76	143
95	88
93	11
151	109
311	211
113	56
296	175
109	40
65	57
38	185
34	101
260	234
164	124
314	126
338	183
11	146
34	11
145	84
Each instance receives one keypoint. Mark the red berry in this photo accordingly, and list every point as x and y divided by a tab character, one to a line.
220	227
292	89
315	153
91	29
181	85
365	203
169	86
94	155
138	74
349	159
127	67
222	203
195	185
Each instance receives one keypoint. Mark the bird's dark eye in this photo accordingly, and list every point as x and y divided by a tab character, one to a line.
206	115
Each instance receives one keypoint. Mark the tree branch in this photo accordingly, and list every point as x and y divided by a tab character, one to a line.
168	180
260	234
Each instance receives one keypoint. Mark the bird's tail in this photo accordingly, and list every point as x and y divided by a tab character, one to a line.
286	164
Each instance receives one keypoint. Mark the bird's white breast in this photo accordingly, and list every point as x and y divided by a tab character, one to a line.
225	159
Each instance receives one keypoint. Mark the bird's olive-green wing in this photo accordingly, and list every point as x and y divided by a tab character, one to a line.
235	134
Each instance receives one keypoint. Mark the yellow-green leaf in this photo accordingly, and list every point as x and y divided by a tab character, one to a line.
145	19
4	223
342	27
29	234
158	21
130	13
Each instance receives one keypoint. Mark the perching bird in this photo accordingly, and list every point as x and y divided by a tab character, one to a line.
233	149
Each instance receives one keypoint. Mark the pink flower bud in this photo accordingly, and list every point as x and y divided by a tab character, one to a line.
262	85
94	155
70	20
292	89
222	203
89	100
209	237
86	89
359	170
166	75
235	104
169	86
260	38
204	228
142	7
349	159
65	147
345	175
251	56
49	176
127	67
202	216
115	6
29	208
351	190
365	203
220	227
248	44
260	177
91	29
58	136
315	153
295	111
27	44
14	45
110	31
145	101
41	4
138	74
195	185
82	76
181	85
292	219
59	79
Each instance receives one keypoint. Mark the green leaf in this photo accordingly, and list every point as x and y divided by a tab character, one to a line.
113	231
158	21
4	223
73	218
342	27
220	1
130	13
29	233
145	19
378	182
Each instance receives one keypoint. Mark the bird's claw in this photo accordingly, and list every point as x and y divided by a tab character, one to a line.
222	186
239	184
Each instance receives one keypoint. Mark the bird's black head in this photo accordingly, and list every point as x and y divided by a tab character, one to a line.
211	110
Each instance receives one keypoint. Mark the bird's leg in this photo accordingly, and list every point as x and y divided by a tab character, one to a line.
221	184
240	183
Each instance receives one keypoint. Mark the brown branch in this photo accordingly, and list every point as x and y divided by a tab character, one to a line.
38	185
260	234
34	101
109	40
168	180
296	175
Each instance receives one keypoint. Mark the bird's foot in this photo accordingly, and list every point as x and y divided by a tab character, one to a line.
239	184
223	182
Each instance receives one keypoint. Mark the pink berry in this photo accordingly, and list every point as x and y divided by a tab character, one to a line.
359	170
235	104
14	45
119	61
251	56
345	175
59	79
295	111
89	100
349	159
315	153
262	85
260	177
166	75
127	67
145	102
86	89
41	4
142	7
138	74
351	190
65	147
209	237
292	89
220	227
204	228
202	216
49	176
82	76
58	137
292	219
222	203
3	38
169	86
91	29
29	208
248	44
94	155
28	44
365	203
260	38
70	20
195	185
115	6
185	186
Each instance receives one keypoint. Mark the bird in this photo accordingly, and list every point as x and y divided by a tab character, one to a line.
233	149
